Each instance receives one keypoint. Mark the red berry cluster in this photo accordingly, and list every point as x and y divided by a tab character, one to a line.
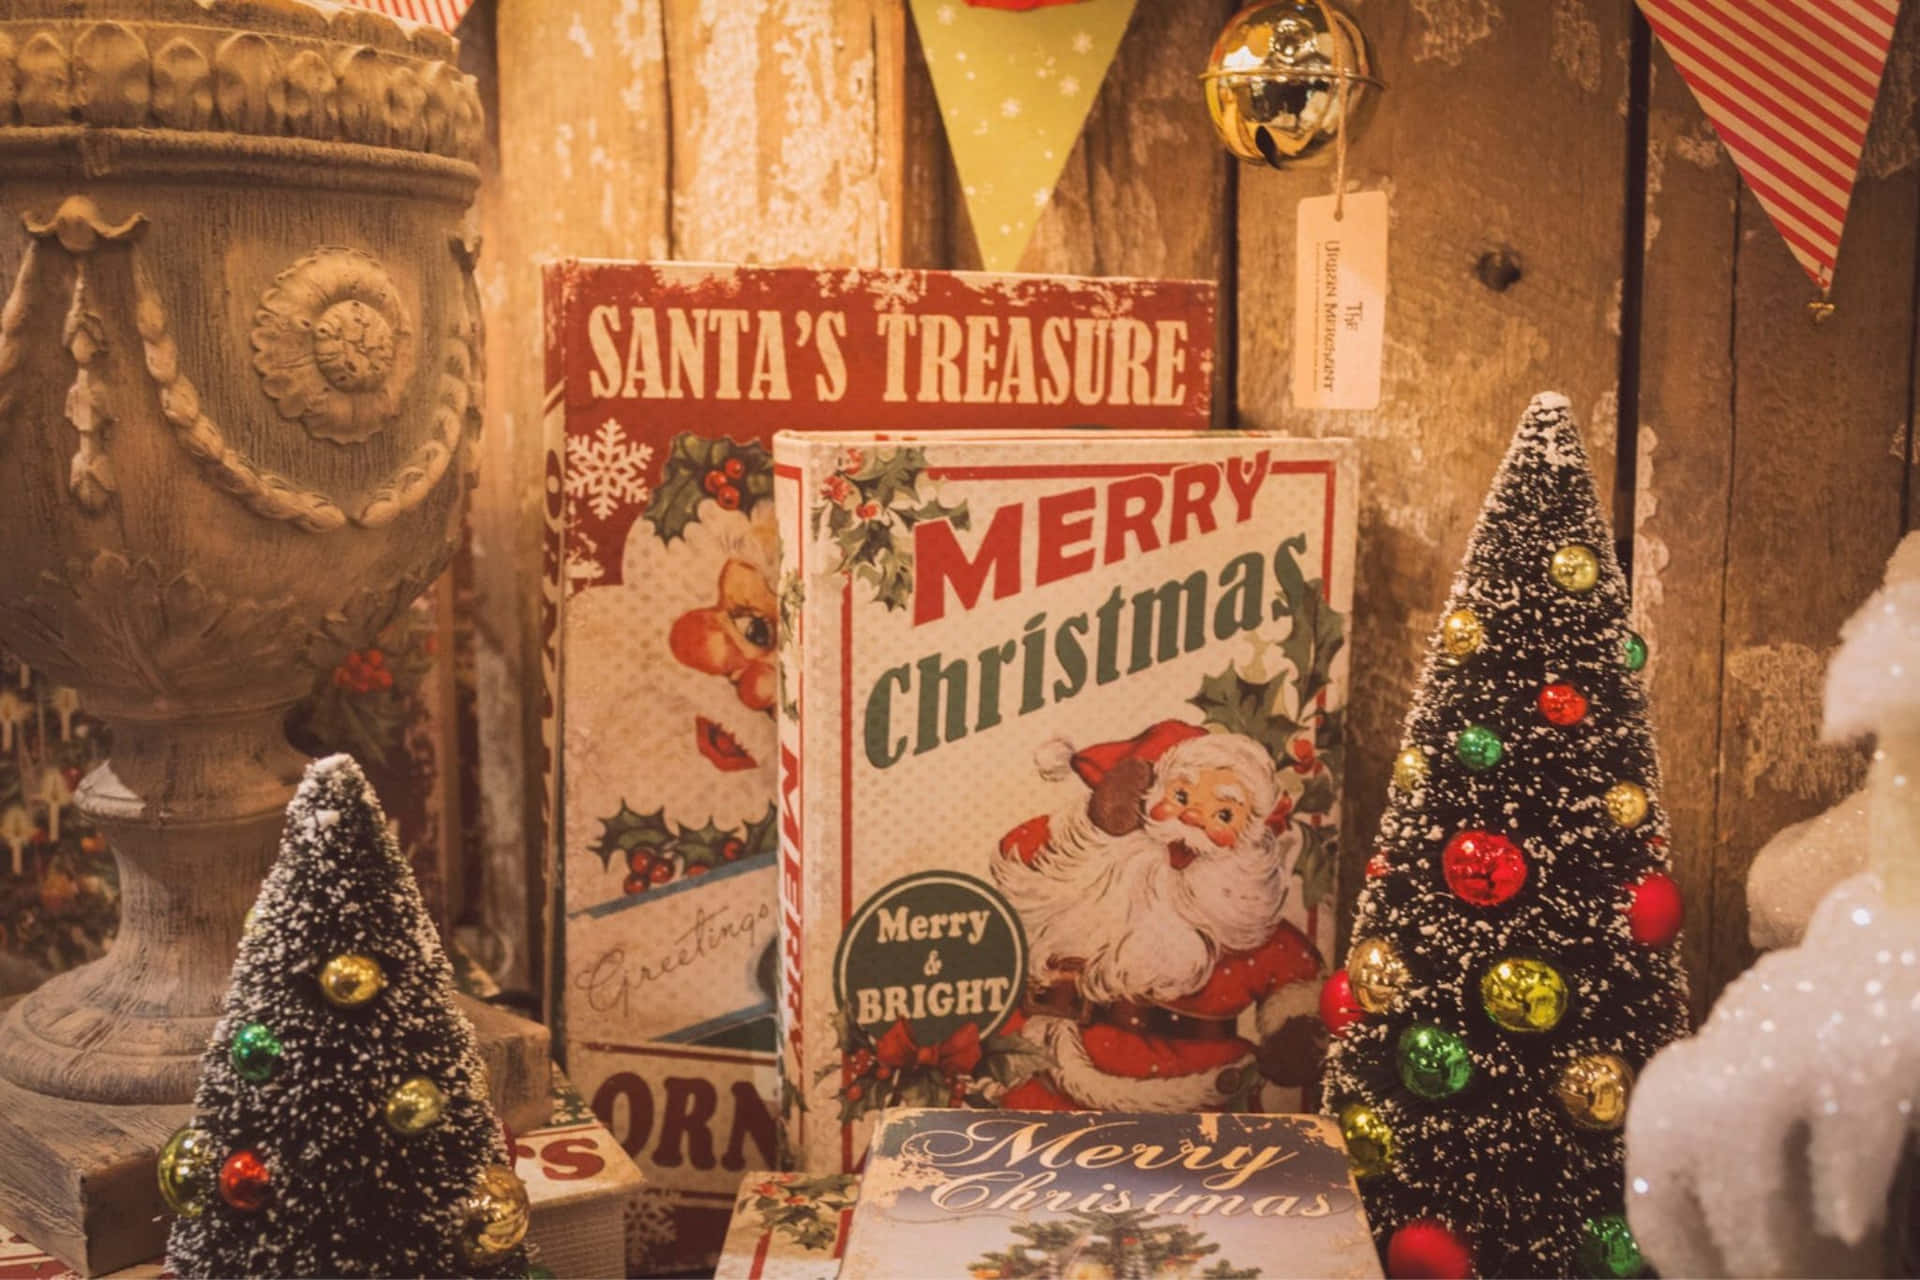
364	671
722	482
647	867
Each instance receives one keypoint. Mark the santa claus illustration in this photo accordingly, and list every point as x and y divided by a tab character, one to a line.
1153	919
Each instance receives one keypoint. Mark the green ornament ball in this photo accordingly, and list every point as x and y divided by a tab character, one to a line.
1608	1250
1434	1062
1478	747
255	1052
1633	651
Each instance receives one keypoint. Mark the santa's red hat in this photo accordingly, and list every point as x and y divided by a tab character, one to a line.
1057	755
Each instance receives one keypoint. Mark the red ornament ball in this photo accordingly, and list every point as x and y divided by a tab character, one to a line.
1338	1009
1484	868
244	1181
1427	1249
1378	865
1563	704
1656	911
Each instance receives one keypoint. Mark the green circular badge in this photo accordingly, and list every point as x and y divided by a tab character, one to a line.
937	950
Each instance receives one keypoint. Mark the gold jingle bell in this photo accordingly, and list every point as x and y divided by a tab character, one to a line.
349	981
1594	1089
1460	635
415	1106
1410	769
1376	973
494	1218
1286	78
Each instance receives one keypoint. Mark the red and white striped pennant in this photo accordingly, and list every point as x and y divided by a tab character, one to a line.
1789	86
444	14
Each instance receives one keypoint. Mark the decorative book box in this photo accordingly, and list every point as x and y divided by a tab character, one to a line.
665	385
788	1226
984	1196
1060	743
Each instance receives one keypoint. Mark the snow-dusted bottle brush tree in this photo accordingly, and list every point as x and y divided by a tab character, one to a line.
342	1126
1514	960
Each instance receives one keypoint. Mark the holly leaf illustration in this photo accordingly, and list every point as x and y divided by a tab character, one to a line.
887	473
1319	859
1013	1060
703	846
762	836
934	509
1318	631
628	830
675	501
1247	707
1317	796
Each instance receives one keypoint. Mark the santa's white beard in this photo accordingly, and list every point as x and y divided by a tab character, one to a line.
1145	929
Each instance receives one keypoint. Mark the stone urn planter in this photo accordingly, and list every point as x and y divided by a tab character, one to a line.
239	385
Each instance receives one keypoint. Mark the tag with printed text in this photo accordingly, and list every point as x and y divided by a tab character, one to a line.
1340	302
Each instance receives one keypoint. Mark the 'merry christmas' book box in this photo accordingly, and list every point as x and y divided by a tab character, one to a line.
665	384
1060	742
1040	1194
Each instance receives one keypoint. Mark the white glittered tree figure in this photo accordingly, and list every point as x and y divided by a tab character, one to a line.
342	1126
1773	1142
1513	958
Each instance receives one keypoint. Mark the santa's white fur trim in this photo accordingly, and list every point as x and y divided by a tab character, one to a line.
1291	1001
1075	1074
1054	758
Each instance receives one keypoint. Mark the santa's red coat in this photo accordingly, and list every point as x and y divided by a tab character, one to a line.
1240	980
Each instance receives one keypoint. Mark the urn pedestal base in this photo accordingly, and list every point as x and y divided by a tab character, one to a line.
77	1178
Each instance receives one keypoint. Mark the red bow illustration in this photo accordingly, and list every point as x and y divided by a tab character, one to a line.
957	1055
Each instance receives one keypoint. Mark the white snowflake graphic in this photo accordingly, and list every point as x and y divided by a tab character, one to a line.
1010	108
1040	197
606	470
1082	42
945	13
1069	85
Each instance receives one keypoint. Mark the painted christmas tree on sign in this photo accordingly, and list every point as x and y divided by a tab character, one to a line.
342	1126
1514	956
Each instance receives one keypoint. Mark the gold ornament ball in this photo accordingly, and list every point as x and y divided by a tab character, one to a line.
1575	568
415	1106
1274	82
1461	634
1594	1090
1524	995
494	1218
1410	769
1376	973
1627	804
351	980
1369	1140
188	1164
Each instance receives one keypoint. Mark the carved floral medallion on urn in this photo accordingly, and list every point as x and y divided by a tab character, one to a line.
238	388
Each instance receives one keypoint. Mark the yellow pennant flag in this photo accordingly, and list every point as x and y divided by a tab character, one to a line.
1015	86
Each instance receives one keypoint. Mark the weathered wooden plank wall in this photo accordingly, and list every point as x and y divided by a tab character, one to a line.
1766	477
1771	464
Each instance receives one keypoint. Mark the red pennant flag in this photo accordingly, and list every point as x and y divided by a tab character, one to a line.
444	14
1789	86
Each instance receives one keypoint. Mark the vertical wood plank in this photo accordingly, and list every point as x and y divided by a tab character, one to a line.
1502	130
1820	423
1684	478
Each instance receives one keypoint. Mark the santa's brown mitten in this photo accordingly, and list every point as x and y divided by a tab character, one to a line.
1292	1055
1114	805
